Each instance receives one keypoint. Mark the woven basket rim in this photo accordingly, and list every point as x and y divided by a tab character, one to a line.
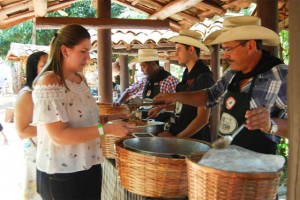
232	173
119	143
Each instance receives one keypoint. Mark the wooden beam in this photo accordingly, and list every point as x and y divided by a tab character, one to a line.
173	24
189	17
152	4
40	8
206	13
174	7
237	3
14	7
208	6
30	14
21	17
229	5
135	2
283	24
293	192
107	23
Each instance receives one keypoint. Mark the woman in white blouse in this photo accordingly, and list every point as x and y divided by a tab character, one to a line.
68	154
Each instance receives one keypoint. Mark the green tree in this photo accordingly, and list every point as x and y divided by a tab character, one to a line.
284	40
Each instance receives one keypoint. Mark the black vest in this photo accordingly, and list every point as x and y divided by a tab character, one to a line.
200	77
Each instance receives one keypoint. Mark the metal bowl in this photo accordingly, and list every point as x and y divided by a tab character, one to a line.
152	127
166	146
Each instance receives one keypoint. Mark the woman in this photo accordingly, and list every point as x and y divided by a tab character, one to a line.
23	118
68	154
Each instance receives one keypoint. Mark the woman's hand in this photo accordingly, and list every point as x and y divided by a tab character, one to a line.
120	129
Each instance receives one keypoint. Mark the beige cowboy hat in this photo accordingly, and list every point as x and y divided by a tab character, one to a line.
146	55
243	28
189	37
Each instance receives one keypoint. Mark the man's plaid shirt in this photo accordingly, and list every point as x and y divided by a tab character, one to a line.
167	85
270	91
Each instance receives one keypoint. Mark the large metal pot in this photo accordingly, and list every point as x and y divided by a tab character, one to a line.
166	146
152	127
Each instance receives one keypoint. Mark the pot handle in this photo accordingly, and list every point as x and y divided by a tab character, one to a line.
136	135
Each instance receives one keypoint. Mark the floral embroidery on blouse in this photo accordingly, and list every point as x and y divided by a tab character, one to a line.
75	107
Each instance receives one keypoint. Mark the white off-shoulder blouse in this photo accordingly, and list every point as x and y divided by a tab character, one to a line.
77	107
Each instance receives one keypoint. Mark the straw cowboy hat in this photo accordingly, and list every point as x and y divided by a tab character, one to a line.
189	37
243	28
146	55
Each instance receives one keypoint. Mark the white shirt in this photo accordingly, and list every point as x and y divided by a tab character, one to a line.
76	107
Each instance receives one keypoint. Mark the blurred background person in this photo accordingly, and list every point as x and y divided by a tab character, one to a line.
157	81
116	79
23	118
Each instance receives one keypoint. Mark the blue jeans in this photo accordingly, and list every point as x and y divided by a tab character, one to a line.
70	186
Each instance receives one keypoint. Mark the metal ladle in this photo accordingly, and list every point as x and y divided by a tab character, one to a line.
144	102
225	141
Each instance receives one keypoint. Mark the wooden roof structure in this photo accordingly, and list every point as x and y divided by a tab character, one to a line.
181	14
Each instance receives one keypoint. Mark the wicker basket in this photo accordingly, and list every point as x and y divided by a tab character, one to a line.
151	176
214	184
108	146
109	109
110	112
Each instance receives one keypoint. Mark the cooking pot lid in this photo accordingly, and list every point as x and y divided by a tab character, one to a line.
161	146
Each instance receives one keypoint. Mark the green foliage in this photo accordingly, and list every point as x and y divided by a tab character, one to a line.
116	10
21	33
284	40
81	9
130	14
283	150
248	11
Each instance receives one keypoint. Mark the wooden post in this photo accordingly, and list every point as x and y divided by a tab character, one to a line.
124	74
167	66
132	80
104	55
167	63
33	31
268	12
293	192
215	67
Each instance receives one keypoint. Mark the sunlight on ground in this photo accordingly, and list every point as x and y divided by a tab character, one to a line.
12	163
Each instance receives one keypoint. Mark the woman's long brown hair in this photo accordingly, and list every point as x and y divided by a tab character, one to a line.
70	36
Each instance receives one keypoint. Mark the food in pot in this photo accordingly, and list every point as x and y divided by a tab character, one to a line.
137	121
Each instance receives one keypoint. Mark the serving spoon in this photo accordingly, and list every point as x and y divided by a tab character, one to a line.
225	141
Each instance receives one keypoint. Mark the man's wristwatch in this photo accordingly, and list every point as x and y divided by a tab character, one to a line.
273	128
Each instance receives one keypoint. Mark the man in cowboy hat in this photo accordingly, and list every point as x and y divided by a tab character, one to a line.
253	88
189	121
157	81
